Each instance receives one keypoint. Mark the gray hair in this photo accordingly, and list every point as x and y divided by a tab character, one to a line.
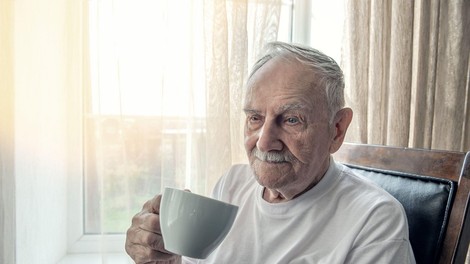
330	74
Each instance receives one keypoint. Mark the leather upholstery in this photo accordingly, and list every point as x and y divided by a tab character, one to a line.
427	202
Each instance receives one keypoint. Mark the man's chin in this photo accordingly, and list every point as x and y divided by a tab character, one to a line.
271	175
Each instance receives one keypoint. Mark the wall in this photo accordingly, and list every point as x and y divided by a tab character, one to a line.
40	145
7	180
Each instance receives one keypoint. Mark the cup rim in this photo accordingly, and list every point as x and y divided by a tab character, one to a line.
199	196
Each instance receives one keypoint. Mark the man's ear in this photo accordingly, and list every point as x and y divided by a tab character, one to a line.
340	125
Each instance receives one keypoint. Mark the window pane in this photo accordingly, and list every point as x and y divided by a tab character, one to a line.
130	167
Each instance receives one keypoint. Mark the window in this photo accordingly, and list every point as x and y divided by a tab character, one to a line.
127	125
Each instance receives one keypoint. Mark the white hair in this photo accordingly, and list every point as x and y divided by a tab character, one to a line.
327	70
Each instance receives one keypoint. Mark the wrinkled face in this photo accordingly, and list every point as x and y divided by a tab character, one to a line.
287	133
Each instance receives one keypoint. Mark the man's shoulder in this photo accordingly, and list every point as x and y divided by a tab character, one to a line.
370	193
361	181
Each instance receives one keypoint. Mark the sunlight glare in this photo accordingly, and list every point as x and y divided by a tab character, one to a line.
142	54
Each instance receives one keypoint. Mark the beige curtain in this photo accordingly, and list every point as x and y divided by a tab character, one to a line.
407	72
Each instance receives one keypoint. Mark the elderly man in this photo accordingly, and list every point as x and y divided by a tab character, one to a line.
296	204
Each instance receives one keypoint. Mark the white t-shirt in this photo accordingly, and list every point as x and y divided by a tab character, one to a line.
343	219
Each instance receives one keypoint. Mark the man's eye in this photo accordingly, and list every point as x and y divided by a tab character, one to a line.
254	118
292	120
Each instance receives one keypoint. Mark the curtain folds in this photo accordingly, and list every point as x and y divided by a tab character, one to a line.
407	69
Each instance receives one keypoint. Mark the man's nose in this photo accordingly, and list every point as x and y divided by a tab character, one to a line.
268	137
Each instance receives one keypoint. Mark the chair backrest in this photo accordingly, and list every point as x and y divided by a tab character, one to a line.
433	187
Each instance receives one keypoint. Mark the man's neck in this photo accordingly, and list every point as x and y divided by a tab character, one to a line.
283	195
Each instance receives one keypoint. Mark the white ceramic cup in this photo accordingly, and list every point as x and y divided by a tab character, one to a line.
193	225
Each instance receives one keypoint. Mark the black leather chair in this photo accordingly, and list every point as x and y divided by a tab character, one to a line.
433	187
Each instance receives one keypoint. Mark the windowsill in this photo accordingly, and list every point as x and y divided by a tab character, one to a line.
115	258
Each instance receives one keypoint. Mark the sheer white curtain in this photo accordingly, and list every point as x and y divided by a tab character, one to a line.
158	86
164	107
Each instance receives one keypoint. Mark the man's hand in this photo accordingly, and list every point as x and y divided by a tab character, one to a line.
144	241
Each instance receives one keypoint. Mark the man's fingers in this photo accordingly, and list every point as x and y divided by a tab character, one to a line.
144	242
139	236
141	254
153	205
149	222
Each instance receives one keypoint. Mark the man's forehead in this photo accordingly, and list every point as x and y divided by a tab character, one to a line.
303	82
278	107
295	94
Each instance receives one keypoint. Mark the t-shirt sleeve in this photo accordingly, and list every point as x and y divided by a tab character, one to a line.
384	237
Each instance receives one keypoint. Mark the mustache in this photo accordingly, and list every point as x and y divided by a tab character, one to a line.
273	156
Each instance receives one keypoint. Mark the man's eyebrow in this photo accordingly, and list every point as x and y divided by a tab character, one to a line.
293	106
248	110
281	109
